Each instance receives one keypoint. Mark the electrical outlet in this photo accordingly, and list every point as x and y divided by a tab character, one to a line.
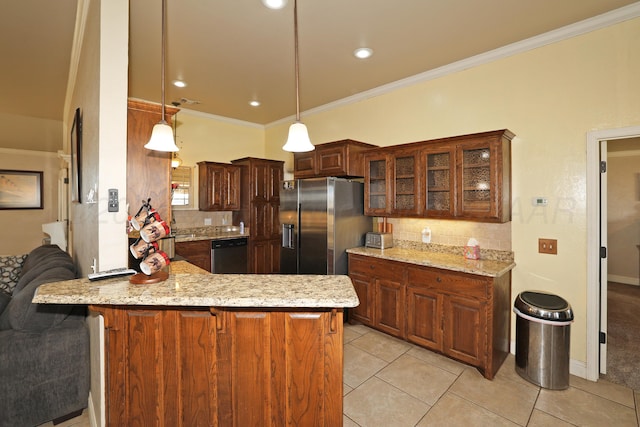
207	221
548	246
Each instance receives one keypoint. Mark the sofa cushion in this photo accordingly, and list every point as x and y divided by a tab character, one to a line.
40	260
4	300
10	268
22	314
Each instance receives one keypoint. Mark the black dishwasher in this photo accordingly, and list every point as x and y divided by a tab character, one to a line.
229	256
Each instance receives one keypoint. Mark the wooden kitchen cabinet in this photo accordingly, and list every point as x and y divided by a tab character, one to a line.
424	317
265	256
484	178
218	186
377	177
197	252
458	302
464	177
339	158
392	182
180	366
148	171
463	316
440	180
259	209
380	286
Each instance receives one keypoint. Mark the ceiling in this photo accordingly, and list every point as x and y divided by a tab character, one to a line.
232	51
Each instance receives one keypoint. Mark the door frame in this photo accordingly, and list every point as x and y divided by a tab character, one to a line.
594	300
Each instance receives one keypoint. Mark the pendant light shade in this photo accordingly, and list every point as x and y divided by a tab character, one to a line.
298	140
162	138
162	135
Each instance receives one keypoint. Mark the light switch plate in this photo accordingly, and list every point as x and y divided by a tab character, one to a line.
548	246
114	205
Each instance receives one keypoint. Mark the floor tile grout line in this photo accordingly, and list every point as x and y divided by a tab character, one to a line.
533	408
605	397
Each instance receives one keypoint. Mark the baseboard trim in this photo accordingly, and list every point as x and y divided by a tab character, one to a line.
623	279
92	413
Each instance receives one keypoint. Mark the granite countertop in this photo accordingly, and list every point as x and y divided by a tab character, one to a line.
447	261
189	286
209	233
192	237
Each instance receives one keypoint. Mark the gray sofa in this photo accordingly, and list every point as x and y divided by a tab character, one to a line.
44	349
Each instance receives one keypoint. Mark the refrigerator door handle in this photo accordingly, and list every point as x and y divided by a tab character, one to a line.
287	236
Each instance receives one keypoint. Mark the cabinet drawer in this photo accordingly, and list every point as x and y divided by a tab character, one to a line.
450	282
373	267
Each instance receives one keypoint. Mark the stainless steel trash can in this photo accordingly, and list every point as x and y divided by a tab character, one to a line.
543	332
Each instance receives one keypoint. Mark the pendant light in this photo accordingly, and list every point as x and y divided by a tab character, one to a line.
175	160
162	134
298	140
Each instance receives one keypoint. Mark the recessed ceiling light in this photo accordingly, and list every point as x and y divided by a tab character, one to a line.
179	83
363	53
275	4
254	103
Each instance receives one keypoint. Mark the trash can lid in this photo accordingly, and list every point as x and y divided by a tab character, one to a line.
544	305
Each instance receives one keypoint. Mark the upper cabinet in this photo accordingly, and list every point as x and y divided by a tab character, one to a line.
218	186
464	177
148	171
339	158
439	169
484	178
392	182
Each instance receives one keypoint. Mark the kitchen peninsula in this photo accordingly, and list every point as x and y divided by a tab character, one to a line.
206	349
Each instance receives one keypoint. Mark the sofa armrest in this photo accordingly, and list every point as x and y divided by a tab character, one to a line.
45	375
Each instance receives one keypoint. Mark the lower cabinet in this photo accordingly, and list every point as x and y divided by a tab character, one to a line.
176	367
463	316
380	286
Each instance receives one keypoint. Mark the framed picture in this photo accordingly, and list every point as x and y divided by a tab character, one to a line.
76	157
20	189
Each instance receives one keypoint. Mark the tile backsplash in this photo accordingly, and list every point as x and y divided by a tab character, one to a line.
194	218
453	232
443	232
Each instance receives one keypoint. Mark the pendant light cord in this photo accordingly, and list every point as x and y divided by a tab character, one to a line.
162	59
295	29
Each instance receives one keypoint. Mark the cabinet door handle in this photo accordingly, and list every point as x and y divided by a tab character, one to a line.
438	279
372	266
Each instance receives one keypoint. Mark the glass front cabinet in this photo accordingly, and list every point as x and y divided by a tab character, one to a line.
463	177
440	181
392	183
376	179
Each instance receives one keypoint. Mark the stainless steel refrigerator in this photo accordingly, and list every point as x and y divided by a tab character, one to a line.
321	218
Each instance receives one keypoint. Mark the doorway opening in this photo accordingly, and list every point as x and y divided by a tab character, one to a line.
597	263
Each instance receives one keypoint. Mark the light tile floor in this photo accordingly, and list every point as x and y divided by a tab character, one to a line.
389	382
392	383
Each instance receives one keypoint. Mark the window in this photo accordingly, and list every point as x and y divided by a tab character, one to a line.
182	187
